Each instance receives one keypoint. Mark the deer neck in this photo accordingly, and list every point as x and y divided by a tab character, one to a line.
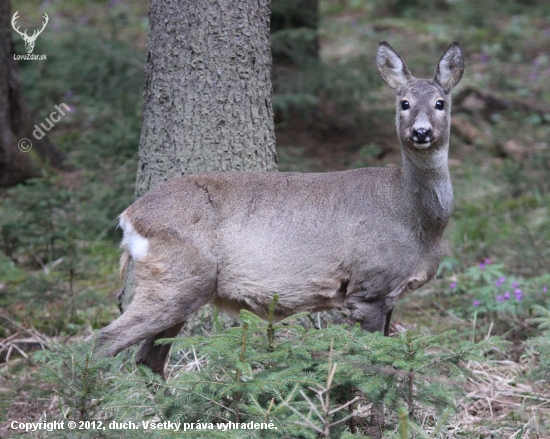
427	188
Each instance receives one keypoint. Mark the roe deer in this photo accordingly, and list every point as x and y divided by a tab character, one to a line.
353	239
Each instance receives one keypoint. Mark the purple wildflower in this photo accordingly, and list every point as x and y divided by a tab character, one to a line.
506	295
482	265
500	281
545	289
500	298
452	286
476	303
519	294
515	284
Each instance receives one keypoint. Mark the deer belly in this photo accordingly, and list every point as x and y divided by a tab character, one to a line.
307	292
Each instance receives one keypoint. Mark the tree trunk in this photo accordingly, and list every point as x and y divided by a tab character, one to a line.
207	98
15	165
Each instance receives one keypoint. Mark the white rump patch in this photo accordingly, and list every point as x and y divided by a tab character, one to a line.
136	245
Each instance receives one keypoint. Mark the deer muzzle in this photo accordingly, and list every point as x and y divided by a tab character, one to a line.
422	137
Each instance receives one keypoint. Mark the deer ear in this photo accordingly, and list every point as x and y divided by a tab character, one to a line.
450	67
392	68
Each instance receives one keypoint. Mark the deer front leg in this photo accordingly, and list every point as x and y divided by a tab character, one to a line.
388	322
373	315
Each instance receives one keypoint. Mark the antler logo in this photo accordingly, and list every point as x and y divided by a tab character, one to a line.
29	41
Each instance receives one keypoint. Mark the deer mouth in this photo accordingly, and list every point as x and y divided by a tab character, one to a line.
422	145
423	142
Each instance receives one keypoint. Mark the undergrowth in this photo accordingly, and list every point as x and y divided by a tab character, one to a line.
272	379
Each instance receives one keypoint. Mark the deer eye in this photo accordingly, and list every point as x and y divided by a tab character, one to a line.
439	104
405	105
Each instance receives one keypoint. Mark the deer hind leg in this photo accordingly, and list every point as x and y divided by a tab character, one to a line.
154	356
171	283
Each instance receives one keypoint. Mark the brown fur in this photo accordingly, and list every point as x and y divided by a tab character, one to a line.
354	239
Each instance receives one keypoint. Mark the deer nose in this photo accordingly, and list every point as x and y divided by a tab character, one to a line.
422	134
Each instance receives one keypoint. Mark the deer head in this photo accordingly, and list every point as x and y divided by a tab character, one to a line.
422	105
29	41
